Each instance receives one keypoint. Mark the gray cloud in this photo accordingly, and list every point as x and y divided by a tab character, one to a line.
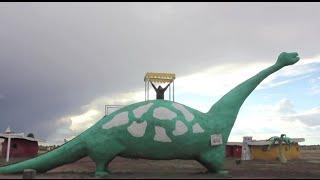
285	106
310	118
56	57
286	109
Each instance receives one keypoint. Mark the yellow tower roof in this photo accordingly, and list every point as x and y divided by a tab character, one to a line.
159	77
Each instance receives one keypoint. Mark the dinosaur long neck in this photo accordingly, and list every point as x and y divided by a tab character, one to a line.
227	108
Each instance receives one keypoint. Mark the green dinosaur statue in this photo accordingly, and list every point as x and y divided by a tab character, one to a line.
157	129
280	140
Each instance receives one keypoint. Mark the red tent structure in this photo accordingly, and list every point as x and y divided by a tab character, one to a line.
20	145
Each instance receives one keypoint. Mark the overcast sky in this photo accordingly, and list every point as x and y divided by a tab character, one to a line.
61	62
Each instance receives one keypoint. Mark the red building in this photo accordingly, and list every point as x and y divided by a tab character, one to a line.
20	145
234	149
256	149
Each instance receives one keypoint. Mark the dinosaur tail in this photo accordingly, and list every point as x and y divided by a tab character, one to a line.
67	153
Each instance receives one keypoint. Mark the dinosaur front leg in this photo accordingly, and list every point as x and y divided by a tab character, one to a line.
213	160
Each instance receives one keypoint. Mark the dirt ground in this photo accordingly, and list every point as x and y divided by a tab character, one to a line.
308	166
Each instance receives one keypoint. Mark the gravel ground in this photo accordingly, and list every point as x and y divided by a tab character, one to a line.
306	167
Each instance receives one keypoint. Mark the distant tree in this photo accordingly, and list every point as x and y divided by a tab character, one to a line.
280	140
30	135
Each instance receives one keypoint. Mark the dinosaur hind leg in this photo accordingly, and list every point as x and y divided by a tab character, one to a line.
103	155
101	168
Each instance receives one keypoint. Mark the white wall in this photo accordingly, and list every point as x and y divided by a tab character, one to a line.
1	140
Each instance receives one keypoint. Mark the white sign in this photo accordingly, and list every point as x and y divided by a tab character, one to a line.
216	139
247	138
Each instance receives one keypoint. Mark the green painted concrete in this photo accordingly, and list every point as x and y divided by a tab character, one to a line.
162	132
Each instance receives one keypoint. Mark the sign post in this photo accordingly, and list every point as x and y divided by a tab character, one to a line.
245	153
8	148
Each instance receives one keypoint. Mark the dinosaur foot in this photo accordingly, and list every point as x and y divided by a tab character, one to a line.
219	172
223	172
101	173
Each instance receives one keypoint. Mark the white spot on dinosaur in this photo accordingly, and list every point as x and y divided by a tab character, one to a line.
181	128
164	113
188	115
138	112
161	135
118	120
196	128
137	129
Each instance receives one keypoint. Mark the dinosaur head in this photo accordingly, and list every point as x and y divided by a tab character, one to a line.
286	59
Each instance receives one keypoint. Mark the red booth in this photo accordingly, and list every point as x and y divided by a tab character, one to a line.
20	145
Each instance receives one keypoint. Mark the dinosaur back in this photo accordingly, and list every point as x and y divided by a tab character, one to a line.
157	125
